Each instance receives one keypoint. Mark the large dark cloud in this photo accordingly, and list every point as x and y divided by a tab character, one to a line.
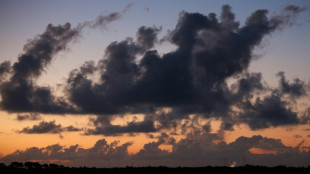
193	74
190	80
20	94
133	78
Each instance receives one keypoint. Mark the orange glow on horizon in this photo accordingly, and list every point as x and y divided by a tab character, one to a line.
9	127
260	151
166	147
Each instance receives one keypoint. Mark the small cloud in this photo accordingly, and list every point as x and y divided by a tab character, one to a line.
72	129
150	136
297	136
43	127
31	117
48	127
146	8
294	9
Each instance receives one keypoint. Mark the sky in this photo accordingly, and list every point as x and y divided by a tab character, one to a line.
149	83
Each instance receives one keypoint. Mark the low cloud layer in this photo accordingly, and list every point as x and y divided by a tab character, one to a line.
199	148
101	151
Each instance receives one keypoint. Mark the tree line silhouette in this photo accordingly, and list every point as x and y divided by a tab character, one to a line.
35	167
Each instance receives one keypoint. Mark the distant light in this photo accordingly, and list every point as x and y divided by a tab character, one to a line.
232	164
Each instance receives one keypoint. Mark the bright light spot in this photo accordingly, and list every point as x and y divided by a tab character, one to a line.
232	164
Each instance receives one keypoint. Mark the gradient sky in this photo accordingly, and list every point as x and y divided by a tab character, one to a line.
94	92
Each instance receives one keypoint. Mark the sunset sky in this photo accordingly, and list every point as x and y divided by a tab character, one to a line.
147	83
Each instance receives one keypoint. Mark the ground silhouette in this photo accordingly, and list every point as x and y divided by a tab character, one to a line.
35	167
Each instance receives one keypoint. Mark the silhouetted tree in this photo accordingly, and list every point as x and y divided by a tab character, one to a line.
32	165
53	166
35	167
45	166
2	165
16	165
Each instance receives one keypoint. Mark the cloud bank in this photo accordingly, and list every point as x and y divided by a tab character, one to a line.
200	149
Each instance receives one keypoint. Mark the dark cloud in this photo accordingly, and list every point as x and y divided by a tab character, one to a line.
305	117
247	84
271	111
20	94
5	68
48	127
38	52
190	80
151	150
103	20
103	126
146	36
104	150
288	15
203	150
294	9
259	112
31	116
43	127
118	74
72	129
295	89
